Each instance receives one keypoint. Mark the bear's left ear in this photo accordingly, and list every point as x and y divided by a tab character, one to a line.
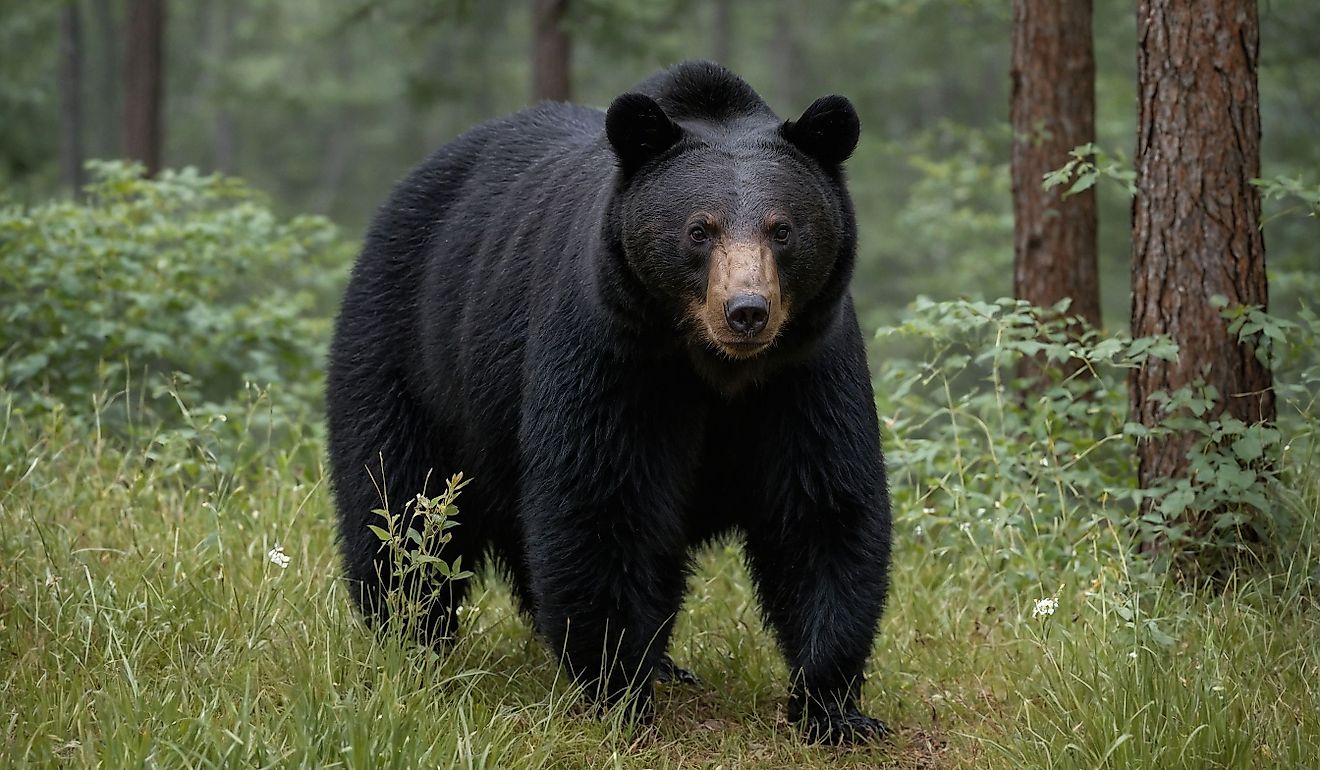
827	131
639	130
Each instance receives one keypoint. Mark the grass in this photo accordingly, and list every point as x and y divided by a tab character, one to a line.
142	624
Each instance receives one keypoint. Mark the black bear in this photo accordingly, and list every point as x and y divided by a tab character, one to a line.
632	330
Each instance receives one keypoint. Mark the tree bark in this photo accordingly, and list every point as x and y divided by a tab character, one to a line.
551	52
1196	216
1052	111
71	114
143	79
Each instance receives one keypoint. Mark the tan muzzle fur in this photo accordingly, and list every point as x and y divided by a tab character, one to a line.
740	268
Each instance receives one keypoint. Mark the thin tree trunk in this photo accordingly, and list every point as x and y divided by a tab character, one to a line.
224	141
786	60
1196	216
71	114
551	52
143	80
109	116
1052	111
338	141
721	32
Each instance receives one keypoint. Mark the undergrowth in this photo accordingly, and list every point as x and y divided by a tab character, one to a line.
165	605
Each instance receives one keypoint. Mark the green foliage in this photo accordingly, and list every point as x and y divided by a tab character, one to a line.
1303	197
413	540
1238	503
182	289
996	462
1089	163
1037	483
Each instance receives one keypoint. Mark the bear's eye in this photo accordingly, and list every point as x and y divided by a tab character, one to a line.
782	232
698	233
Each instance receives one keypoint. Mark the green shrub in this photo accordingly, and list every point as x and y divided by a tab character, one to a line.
982	464
185	289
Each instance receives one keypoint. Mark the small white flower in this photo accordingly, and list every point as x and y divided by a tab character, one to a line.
1133	654
1044	461
965	527
980	511
1045	607
927	510
278	557
918	530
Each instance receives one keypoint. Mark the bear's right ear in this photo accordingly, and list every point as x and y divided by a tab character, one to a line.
639	130
827	131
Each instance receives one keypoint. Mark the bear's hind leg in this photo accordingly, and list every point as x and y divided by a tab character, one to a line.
384	453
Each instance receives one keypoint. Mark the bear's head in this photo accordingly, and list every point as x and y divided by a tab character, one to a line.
732	220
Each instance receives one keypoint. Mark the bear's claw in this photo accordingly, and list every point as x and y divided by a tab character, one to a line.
668	673
847	728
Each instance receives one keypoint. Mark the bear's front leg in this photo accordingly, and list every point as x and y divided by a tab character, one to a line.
818	545
822	590
607	468
605	589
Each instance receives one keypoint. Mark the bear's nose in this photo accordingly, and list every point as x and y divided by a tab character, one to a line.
747	313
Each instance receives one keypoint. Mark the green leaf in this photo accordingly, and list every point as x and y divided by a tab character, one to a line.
1248	447
1085	181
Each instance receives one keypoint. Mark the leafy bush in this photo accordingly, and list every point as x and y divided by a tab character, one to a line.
1034	483
992	463
184	289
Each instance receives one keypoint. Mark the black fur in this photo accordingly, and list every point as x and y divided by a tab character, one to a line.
519	312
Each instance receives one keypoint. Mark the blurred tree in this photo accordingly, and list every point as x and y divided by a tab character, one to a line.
552	52
107	72
1196	217
143	69
1052	108
786	56
221	22
721	32
71	114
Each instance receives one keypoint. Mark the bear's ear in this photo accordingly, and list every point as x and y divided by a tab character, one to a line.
827	131
639	130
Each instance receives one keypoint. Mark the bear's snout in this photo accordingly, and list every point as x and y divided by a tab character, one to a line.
747	314
743	309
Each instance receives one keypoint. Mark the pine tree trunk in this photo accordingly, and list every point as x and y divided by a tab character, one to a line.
143	81
551	52
1196	216
71	113
1052	111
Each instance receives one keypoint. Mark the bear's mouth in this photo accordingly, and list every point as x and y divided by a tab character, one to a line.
741	348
